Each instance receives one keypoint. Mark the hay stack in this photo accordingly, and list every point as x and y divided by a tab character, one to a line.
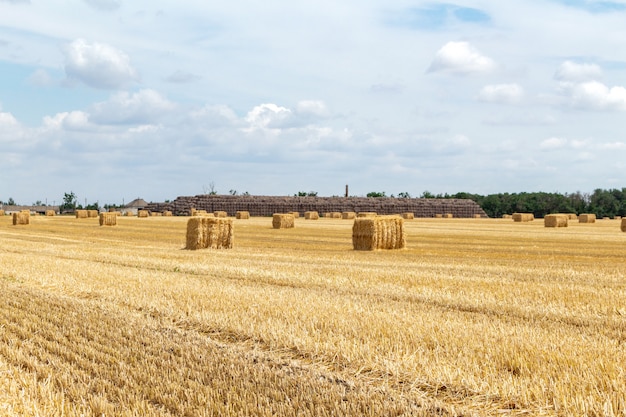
50	213
202	213
243	215
143	213
477	216
296	214
23	217
92	213
623	226
283	221
192	211
348	215
382	232
523	217
155	214
128	213
587	218
507	216
366	214
335	215
1	212
209	233
311	215
167	213
108	219
572	216
408	216
220	214
438	216
448	216
82	214
556	220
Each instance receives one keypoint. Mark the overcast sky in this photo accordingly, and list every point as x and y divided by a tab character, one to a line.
115	99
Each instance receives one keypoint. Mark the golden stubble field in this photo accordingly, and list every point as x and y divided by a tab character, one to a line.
482	317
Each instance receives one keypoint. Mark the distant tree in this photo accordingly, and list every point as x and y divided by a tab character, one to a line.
232	192
376	194
38	203
209	189
11	202
306	194
404	195
69	202
427	194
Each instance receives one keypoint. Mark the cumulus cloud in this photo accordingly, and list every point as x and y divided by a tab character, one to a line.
73	121
312	108
215	115
501	93
461	58
594	95
574	72
106	5
267	116
98	65
142	107
553	143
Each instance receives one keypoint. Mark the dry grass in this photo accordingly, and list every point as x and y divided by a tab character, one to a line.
475	317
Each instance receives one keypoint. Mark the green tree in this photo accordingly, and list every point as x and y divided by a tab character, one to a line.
377	194
11	202
69	202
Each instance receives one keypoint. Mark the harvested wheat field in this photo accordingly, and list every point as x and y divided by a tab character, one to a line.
475	317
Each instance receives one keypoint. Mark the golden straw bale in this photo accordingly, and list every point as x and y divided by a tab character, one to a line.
2	213
328	215
143	213
209	233
311	215
587	218
336	215
572	216
366	214
348	215
477	216
50	213
296	214
92	213
128	213
623	225
82	214
448	216
167	213
523	217
108	219
202	213
408	216
192	211
242	215
23	217
381	232
155	214
556	220
507	216
220	214
438	216
283	221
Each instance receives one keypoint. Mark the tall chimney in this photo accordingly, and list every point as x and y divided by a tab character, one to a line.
346	190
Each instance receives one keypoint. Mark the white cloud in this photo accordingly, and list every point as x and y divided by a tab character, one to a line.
41	78
143	107
70	121
267	116
501	93
98	65
461	58
594	95
215	115
553	144
312	108
106	5
613	146
572	71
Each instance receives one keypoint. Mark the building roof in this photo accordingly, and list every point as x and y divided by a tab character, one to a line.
136	203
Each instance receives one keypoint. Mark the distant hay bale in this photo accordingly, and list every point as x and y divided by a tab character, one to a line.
202	213
92	213
366	214
477	216
128	213
242	215
296	214
50	213
348	215
507	216
155	214
82	214
438	216
335	215
623	226
2	213
523	217
108	219
572	216
220	214
606	218
192	211
283	221
382	232
143	213
167	213
209	233
408	216
328	215
311	215
21	218
556	220
587	218
448	216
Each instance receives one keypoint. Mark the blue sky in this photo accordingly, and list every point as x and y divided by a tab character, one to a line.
115	100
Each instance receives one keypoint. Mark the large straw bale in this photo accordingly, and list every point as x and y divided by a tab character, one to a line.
23	217
623	226
143	213
366	214
311	215
523	217
283	221
556	220
220	214
381	232
242	215
50	213
209	233
108	219
348	215
92	213
587	218
408	216
82	214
